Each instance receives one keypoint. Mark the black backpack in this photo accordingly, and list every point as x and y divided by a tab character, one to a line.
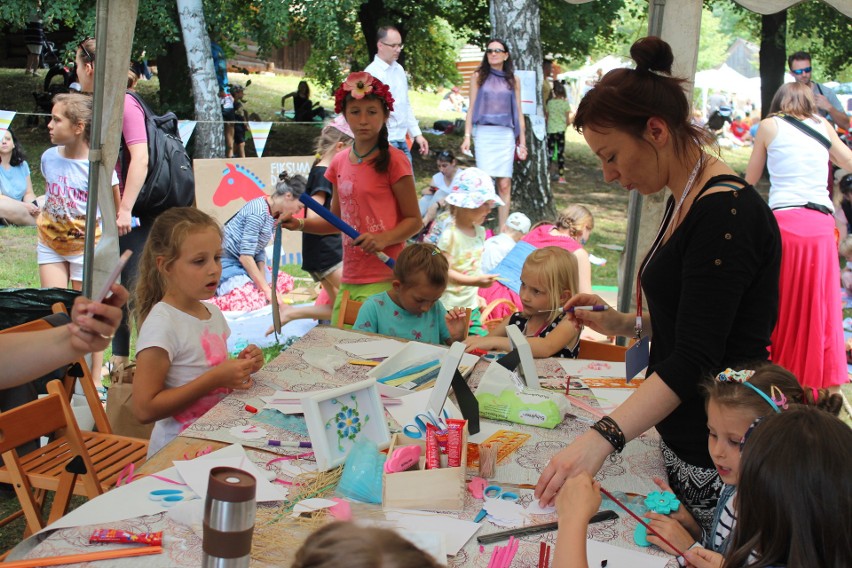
170	181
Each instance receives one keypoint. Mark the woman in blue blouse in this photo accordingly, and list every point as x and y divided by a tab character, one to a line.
17	201
495	97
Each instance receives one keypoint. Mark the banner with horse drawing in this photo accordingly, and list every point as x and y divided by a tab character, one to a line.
222	187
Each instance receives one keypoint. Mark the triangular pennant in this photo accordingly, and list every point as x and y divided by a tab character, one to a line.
259	133
6	117
185	129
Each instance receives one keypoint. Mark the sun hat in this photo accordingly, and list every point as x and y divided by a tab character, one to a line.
339	123
519	222
471	188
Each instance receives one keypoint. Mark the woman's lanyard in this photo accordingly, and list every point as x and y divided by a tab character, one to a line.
664	228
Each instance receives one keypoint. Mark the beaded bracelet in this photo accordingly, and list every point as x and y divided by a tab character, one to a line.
611	432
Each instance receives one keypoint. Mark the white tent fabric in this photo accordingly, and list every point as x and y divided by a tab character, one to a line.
772	6
606	65
116	21
723	78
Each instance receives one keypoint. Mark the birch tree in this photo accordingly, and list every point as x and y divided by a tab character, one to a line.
210	137
517	23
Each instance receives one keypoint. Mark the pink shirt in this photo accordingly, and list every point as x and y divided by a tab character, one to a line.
133	130
368	204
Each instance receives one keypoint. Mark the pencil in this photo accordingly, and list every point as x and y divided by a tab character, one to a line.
640	521
85	557
595	308
365	362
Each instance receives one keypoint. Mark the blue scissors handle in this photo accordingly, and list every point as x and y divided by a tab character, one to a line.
494	492
418	428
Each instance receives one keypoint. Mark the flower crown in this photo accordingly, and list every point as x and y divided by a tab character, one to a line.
359	85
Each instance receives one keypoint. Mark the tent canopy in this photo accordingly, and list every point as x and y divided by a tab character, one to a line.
772	6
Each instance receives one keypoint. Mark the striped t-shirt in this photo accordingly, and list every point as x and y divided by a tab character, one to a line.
249	231
726	522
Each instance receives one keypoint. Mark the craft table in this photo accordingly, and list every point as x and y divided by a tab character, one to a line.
317	362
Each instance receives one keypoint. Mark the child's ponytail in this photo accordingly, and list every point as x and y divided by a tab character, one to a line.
383	160
824	400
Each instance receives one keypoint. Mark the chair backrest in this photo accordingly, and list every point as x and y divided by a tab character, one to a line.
78	367
348	312
50	414
601	351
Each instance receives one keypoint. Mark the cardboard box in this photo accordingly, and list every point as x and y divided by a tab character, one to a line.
429	489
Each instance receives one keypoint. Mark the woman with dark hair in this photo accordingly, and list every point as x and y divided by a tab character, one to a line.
796	146
496	122
17	200
305	110
710	277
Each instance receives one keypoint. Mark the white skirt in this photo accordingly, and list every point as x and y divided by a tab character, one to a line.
494	147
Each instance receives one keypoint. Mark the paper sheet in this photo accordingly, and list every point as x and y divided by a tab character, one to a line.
583	368
456	532
289	407
130	501
373	349
196	474
612	398
617	557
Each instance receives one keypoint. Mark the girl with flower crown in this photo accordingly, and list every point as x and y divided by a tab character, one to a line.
373	190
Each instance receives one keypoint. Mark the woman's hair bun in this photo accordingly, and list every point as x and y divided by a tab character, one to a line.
652	54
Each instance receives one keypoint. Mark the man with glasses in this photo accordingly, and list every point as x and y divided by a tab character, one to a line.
827	102
386	69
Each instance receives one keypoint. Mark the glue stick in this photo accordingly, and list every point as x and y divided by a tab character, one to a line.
433	454
454	441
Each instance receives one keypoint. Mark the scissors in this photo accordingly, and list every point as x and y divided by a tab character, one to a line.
494	492
418	428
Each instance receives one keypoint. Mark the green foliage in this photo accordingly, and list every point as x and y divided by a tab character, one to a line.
571	31
713	43
822	31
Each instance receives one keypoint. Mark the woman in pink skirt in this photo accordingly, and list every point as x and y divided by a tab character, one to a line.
796	145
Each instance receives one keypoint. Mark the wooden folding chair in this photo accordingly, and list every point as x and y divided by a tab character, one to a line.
601	351
348	312
73	463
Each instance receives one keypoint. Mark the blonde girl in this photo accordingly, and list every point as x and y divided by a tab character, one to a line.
373	190
471	199
548	279
182	361
65	167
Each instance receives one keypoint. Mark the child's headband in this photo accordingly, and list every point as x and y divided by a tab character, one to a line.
359	85
777	401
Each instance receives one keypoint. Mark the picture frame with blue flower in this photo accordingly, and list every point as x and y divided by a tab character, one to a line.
338	418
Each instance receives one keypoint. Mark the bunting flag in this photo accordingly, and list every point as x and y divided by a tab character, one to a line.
259	133
6	117
185	129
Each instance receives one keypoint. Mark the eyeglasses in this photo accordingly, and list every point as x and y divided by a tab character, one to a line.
800	71
86	53
394	45
489	51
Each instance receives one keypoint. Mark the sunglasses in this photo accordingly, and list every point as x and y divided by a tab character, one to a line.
800	71
86	53
497	50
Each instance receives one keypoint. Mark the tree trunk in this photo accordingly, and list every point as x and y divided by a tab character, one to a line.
517	22
773	57
175	86
210	134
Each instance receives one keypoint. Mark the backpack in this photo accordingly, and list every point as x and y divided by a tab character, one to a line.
719	117
170	181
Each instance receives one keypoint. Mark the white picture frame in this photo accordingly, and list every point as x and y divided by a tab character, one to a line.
338	418
527	368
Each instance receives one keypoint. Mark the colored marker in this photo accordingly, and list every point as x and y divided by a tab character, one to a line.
595	308
286	444
366	362
250	408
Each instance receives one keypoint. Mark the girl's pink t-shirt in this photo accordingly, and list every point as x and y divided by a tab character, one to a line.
368	204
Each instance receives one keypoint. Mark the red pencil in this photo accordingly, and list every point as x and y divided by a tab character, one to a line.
640	521
541	550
